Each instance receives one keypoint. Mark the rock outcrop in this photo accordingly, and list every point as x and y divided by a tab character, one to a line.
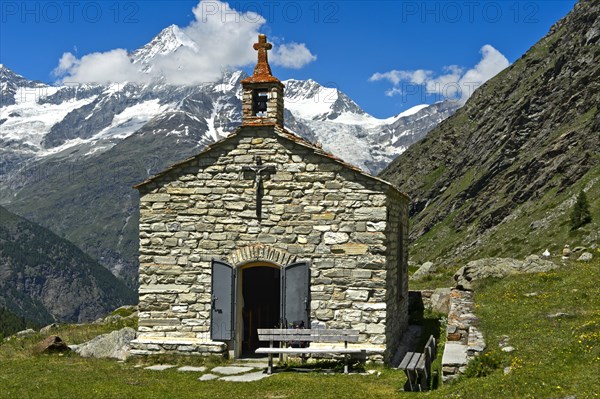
52	344
426	269
112	345
499	267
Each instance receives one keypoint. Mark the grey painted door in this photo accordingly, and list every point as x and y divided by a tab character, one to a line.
295	294
221	323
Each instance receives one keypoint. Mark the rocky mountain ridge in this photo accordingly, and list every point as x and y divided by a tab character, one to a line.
46	279
504	170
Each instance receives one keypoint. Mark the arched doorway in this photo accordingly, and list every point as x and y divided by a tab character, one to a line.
259	305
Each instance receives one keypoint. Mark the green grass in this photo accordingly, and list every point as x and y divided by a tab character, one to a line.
432	177
554	357
515	237
440	279
124	311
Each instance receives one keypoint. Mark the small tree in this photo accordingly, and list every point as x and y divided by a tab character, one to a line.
580	215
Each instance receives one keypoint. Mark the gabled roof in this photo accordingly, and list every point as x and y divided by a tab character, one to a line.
280	132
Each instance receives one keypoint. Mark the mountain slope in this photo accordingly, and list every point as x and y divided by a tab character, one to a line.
500	175
45	278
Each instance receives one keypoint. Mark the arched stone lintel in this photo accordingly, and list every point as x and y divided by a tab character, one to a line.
260	252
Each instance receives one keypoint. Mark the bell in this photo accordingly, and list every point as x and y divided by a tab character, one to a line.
261	105
260	101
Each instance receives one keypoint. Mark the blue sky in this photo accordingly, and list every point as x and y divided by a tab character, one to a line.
386	55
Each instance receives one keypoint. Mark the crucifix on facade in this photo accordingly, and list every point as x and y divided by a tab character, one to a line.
259	171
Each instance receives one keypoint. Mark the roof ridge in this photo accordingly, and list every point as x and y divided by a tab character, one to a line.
281	132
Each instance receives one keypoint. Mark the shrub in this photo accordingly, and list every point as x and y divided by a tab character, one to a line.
483	365
580	215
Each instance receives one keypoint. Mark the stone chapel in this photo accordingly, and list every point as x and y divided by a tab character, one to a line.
265	230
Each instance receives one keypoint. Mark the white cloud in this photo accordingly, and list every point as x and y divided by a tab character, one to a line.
102	68
219	38
395	77
66	62
453	83
293	55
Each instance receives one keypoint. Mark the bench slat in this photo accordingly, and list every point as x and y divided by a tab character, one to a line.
406	360
282	331
430	348
310	350
414	361
330	338
334	332
420	363
290	337
309	335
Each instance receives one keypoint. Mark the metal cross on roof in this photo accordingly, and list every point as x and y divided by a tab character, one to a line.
259	171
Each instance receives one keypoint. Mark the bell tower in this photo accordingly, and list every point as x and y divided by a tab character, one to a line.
262	93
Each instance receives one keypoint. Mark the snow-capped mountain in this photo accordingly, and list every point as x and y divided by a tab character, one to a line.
346	130
82	147
11	82
40	120
167	42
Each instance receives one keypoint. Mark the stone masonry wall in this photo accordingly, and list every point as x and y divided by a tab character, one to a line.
397	272
314	208
464	340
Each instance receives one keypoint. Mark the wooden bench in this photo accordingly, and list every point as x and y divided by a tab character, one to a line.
417	366
286	336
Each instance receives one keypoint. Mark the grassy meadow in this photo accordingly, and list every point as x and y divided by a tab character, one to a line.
554	357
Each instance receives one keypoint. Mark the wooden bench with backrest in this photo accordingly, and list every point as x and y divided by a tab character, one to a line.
285	337
417	366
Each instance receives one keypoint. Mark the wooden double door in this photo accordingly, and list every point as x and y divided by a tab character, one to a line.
257	295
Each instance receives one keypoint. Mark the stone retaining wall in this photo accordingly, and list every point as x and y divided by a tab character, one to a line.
464	341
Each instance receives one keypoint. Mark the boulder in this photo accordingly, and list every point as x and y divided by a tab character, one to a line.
585	257
535	264
499	267
113	318
113	345
440	300
25	333
566	252
560	315
484	268
52	344
49	328
425	269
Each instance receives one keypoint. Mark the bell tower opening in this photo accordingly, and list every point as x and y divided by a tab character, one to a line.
262	93
259	102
